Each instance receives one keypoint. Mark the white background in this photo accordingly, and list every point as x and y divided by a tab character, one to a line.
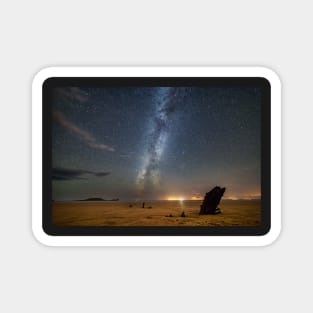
36	34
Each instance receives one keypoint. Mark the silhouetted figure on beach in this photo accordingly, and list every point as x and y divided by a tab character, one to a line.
212	200
143	205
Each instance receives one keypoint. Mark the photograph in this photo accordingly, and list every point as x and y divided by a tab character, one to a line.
156	155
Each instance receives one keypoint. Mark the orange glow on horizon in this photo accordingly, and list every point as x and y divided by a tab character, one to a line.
250	196
197	198
198	195
175	198
182	198
244	197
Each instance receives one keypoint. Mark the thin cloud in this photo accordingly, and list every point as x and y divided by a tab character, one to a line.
72	94
60	173
60	118
101	174
100	146
79	132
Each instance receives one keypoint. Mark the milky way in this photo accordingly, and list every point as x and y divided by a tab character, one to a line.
149	175
140	143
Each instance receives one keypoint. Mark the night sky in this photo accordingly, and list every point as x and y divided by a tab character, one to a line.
150	143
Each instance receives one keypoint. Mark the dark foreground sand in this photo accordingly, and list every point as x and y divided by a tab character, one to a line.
235	213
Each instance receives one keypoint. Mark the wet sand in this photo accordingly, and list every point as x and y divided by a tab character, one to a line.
155	213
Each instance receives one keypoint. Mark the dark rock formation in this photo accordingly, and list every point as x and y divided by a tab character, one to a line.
212	200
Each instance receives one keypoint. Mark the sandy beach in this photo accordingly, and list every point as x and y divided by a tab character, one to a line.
155	213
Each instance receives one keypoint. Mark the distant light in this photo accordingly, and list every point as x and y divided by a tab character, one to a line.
181	199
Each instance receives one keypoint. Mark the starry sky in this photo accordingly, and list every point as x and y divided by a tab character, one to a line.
154	143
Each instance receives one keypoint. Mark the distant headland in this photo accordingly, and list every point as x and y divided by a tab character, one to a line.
99	199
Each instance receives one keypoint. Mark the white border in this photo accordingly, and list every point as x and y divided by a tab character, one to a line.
156	240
